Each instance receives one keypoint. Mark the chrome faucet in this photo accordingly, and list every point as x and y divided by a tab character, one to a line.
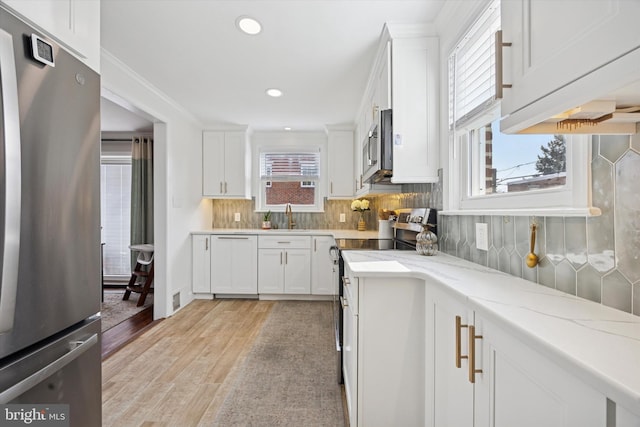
289	214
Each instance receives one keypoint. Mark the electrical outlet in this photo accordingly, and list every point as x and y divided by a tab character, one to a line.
236	217
343	218
482	236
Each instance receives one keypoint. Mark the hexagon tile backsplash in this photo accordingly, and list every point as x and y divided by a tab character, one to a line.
597	258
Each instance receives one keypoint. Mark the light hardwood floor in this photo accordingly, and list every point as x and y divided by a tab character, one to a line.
179	372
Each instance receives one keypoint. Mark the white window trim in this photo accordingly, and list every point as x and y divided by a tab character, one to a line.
573	199
293	142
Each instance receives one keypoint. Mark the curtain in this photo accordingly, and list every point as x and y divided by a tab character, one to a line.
141	193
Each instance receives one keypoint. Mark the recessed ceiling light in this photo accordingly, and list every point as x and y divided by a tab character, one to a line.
276	93
248	25
287	128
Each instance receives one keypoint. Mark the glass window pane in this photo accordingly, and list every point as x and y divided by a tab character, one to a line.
504	163
115	195
296	193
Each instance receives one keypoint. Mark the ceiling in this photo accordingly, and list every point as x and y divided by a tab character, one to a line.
318	52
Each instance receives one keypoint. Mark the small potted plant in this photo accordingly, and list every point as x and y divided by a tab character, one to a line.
266	221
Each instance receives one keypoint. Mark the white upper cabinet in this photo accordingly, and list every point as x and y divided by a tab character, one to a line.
414	101
226	171
340	164
564	54
74	24
404	78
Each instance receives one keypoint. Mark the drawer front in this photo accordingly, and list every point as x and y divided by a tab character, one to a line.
284	242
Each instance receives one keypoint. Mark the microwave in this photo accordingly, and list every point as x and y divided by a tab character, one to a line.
377	150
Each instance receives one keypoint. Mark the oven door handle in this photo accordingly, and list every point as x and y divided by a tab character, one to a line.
334	253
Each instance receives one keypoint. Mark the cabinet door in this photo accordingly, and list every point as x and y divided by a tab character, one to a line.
234	262
414	77
514	385
350	360
245	265
383	90
522	387
453	393
270	271
297	275
323	280
340	164
235	177
213	163
74	23
221	264
201	268
554	43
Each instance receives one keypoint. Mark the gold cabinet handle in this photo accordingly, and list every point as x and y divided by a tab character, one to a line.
472	354
225	187
459	355
206	244
220	187
331	187
499	45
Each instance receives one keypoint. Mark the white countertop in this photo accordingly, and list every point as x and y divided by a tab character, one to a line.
337	234
597	344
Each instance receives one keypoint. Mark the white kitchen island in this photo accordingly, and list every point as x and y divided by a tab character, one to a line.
527	355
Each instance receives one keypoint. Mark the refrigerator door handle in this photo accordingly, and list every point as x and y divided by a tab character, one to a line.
12	183
76	349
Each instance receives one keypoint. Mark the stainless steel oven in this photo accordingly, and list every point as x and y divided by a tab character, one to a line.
406	227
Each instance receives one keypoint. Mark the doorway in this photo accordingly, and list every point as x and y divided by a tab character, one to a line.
121	130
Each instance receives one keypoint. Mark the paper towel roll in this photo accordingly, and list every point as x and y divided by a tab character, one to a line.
384	229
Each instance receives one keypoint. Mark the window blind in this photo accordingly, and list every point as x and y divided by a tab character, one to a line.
285	166
115	206
472	68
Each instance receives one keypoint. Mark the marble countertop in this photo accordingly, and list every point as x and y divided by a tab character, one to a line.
597	344
337	234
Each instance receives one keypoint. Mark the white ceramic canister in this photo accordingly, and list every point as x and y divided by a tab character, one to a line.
384	229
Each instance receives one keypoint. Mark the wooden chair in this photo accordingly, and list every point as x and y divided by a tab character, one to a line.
143	268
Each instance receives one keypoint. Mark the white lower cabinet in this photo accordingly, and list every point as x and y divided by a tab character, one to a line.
384	351
284	264
324	274
350	350
201	265
483	376
234	264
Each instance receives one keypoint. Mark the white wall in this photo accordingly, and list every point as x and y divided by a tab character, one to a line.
178	205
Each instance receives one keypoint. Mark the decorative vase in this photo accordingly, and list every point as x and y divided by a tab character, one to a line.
362	226
426	242
266	225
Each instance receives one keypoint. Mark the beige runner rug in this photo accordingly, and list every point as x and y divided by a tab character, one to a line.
289	378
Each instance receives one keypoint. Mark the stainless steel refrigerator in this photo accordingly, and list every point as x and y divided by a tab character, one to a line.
49	226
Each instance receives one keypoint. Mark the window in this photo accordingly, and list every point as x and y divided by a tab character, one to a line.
513	163
289	177
492	170
115	213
